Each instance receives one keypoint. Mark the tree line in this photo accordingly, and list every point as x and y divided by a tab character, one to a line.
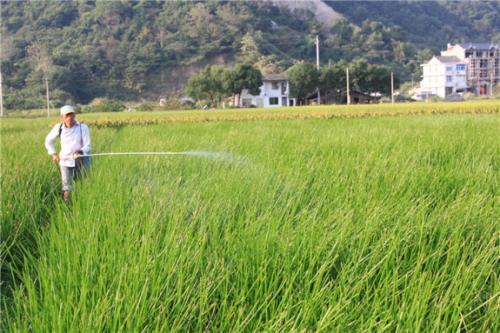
144	49
215	83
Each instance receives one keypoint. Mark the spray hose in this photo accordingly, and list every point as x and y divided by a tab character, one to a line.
142	153
218	155
200	153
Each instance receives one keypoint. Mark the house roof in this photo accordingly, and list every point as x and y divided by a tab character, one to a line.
445	59
482	46
275	77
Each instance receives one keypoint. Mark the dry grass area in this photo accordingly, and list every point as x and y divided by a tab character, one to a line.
289	113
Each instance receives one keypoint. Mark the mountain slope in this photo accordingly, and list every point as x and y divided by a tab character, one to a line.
429	24
147	49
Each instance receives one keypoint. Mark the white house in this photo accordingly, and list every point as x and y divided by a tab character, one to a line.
443	76
274	92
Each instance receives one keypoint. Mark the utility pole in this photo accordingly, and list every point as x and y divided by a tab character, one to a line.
1	95
392	87
47	89
317	64
39	55
162	75
491	84
478	86
348	92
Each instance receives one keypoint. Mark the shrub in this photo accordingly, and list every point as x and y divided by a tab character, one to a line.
104	105
58	98
23	100
144	107
434	99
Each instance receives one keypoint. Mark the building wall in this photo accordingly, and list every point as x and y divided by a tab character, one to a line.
443	79
455	50
272	94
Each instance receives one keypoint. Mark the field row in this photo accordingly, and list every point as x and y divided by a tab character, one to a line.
296	113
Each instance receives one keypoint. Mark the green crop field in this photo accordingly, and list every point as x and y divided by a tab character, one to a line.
362	219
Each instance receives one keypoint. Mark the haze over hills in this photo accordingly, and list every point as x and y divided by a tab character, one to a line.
147	49
324	13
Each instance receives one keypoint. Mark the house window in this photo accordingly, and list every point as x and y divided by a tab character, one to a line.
449	68
479	54
483	63
273	100
283	88
275	85
448	78
460	67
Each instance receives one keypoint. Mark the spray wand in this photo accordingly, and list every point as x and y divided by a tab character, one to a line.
137	153
200	153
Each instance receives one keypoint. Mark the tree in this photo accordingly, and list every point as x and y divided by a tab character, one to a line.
250	49
40	58
342	32
332	81
360	75
379	80
207	85
243	76
303	78
7	50
421	57
218	76
370	78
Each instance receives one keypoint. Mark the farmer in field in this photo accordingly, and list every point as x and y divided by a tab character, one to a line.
75	141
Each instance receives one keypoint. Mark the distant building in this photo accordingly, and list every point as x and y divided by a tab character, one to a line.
443	76
357	97
483	64
274	92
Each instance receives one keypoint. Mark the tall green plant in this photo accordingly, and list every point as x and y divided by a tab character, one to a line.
243	76
303	79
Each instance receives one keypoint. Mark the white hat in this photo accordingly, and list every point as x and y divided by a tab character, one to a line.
67	109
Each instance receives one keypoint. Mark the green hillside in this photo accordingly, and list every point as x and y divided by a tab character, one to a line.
145	49
429	24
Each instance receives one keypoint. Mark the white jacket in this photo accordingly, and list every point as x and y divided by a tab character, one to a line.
73	139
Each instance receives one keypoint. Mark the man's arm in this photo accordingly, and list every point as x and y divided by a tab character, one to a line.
50	143
85	139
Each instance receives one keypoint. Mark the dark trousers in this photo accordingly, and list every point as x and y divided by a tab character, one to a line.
69	174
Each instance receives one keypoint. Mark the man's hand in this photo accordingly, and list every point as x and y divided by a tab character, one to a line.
55	158
76	154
